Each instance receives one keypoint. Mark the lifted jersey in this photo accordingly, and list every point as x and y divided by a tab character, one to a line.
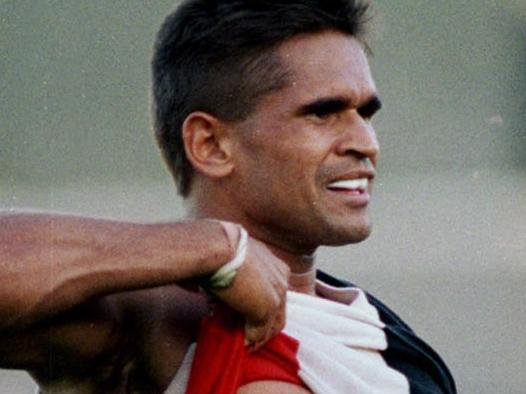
343	341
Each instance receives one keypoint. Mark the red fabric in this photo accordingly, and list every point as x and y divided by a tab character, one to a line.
222	363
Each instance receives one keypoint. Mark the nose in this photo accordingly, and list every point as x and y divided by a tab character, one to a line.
359	140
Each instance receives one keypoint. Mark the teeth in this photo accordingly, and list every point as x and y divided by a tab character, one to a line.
353	184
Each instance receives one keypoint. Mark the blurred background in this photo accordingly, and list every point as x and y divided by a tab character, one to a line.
449	248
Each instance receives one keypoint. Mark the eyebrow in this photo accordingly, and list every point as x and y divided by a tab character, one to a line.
325	105
373	105
339	103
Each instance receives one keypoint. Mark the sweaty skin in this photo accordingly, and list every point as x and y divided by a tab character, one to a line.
116	304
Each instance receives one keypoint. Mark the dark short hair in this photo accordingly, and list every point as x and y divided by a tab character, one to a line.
216	56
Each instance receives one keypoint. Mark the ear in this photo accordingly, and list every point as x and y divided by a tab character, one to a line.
207	145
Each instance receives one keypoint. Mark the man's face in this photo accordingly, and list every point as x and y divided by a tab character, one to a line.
305	157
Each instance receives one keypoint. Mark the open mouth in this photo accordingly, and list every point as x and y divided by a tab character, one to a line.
354	186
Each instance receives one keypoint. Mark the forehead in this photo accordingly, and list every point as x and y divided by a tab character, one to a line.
324	64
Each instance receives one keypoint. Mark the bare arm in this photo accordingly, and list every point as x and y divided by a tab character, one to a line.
62	280
53	267
51	263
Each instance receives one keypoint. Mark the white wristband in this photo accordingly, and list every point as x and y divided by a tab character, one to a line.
226	274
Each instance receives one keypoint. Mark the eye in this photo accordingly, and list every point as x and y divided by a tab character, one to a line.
323	113
324	109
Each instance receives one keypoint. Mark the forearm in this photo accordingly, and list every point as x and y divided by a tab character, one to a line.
50	263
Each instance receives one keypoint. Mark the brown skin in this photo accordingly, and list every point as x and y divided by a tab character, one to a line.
114	314
271	171
111	314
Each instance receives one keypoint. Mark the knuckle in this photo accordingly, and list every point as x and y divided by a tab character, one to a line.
282	292
281	325
251	337
277	299
285	271
262	315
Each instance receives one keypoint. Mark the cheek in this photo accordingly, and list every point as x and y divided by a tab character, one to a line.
282	158
296	166
282	178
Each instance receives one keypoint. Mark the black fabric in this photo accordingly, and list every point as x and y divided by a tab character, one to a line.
406	352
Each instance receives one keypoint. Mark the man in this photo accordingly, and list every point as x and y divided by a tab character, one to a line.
263	113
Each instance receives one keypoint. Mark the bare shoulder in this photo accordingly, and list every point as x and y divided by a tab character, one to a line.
272	387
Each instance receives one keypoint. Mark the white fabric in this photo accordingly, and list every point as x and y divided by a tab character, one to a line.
180	381
340	338
340	343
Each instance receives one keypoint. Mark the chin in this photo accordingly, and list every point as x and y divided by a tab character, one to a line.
359	236
348	234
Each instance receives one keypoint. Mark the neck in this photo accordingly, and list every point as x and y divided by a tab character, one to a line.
302	266
301	263
304	282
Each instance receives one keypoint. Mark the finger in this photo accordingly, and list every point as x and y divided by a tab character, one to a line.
279	273
281	317
255	335
284	268
259	344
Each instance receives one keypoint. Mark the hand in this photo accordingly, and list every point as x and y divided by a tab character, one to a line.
258	292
